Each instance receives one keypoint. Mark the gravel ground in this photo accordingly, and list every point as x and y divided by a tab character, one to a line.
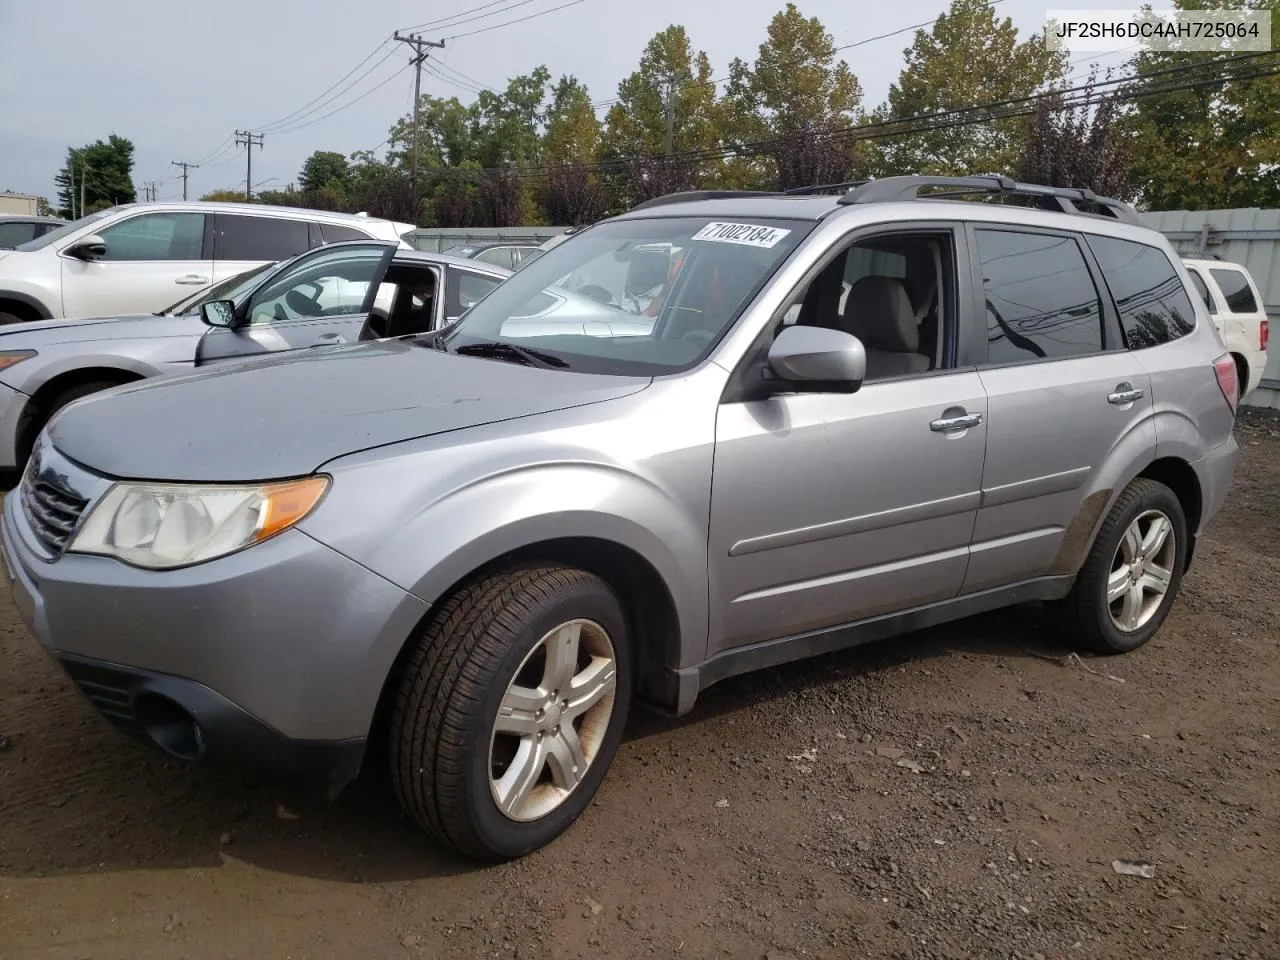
960	792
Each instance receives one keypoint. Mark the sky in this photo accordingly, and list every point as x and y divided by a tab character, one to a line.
177	78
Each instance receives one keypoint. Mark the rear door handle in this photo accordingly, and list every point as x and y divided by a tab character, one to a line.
192	280
331	338
1124	394
949	424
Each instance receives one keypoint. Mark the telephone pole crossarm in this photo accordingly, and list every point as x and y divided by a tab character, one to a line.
186	171
421	50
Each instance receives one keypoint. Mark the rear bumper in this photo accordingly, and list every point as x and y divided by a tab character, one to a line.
189	721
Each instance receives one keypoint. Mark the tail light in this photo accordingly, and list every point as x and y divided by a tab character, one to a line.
1225	368
1263	335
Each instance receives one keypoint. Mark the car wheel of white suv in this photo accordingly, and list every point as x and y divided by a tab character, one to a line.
511	710
1128	582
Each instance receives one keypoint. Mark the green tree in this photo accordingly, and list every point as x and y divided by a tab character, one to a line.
1216	146
225	195
325	168
970	56
573	130
637	124
796	92
444	135
105	168
505	126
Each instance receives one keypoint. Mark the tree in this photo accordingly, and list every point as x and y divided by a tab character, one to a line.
444	135
502	194
105	168
1216	146
505	126
968	57
795	94
224	195
1078	146
573	196
637	124
573	130
324	168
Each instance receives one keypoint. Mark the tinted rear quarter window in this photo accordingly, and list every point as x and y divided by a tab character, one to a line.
1235	290
1153	304
260	238
12	234
1040	299
333	233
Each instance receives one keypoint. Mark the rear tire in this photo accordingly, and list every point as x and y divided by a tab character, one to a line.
494	748
1128	583
7	318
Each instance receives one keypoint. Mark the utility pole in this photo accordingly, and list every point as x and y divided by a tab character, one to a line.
420	53
149	191
185	168
248	140
82	179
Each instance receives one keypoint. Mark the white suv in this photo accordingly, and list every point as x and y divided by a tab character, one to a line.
1232	299
138	258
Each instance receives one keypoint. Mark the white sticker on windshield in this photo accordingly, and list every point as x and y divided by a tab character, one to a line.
747	234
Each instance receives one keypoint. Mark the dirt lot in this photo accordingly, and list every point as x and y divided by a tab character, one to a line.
955	793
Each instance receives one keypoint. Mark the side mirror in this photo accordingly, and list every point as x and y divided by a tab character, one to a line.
817	360
218	313
92	247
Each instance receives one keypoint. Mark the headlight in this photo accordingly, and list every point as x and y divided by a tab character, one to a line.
164	525
9	357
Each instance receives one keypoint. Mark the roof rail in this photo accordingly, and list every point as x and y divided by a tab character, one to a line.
823	188
692	196
1062	199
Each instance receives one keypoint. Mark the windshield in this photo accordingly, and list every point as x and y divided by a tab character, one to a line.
232	288
635	297
53	236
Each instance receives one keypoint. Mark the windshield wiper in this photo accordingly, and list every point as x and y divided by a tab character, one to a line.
500	350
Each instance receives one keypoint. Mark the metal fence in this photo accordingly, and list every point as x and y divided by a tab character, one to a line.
1250	237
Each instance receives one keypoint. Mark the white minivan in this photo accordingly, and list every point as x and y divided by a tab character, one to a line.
138	258
1232	299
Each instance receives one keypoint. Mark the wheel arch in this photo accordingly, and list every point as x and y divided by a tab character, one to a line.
24	305
51	386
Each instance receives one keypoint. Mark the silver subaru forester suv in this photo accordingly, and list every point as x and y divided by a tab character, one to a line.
829	419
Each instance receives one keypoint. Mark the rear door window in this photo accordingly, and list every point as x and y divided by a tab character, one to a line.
242	237
333	233
1040	299
12	234
1235	290
498	256
1153	304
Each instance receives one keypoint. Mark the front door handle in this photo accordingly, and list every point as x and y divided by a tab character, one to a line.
192	280
1124	393
331	338
960	422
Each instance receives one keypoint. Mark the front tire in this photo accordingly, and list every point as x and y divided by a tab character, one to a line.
511	709
1128	583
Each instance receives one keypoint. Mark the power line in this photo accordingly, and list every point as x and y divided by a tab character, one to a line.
901	30
344	106
508	23
289	117
441	65
448	23
461	13
278	126
433	69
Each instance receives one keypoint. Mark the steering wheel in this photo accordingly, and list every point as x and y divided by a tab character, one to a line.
302	305
597	293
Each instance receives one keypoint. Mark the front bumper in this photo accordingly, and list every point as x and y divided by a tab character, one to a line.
279	653
12	403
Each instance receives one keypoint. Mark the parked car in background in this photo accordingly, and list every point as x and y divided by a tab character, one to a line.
16	230
478	547
509	254
335	294
1237	309
137	257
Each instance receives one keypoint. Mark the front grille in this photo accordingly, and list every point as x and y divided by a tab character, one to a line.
52	510
108	691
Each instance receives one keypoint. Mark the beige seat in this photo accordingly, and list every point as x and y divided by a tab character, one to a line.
878	311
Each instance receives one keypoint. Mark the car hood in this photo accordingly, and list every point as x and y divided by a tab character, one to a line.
21	335
289	415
